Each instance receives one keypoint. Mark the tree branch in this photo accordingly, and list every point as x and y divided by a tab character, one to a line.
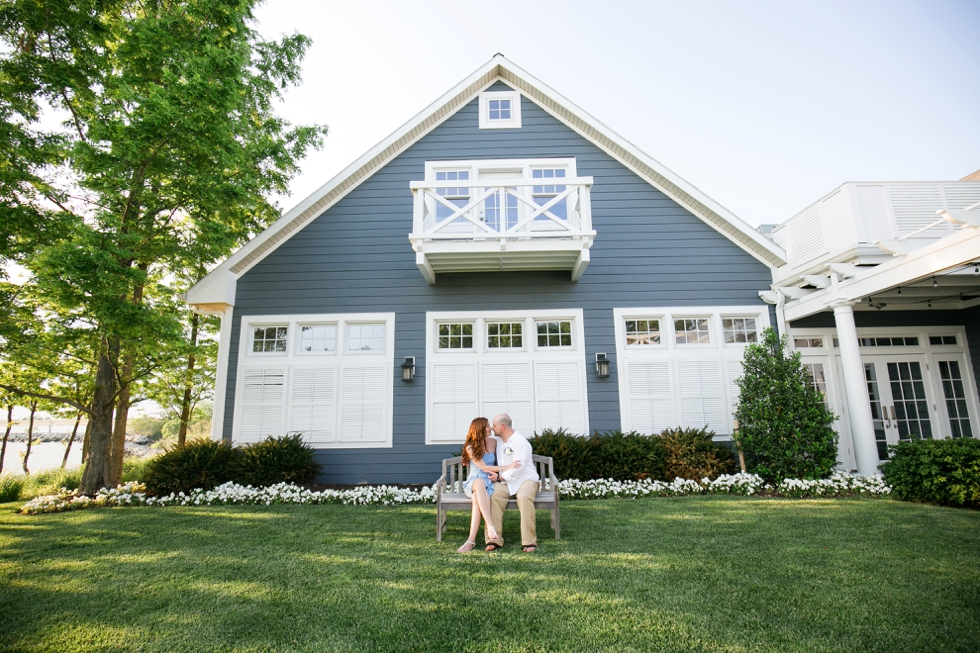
38	395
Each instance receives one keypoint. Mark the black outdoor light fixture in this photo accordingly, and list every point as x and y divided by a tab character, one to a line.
602	366
408	369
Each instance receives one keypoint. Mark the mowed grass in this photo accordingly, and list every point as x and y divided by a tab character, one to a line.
685	574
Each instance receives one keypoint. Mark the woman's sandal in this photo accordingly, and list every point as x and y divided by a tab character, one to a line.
493	546
463	549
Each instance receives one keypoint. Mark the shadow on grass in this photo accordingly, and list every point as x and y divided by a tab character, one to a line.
678	574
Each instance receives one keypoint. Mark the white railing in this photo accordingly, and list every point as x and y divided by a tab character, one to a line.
502	208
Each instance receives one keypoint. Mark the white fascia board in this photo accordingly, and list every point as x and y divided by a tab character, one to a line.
349	178
954	250
218	287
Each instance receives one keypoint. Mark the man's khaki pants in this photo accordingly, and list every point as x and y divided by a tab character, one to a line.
526	494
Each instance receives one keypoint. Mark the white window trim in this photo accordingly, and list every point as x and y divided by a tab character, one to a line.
293	359
249	341
480	318
313	323
463	322
515	110
671	352
738	316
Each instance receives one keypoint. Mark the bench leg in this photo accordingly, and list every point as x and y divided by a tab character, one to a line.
556	523
440	524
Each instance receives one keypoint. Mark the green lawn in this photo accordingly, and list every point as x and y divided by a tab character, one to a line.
685	574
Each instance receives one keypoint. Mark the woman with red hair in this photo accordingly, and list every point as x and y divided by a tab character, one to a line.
480	451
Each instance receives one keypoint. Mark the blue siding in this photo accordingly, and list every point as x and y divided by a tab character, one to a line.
356	258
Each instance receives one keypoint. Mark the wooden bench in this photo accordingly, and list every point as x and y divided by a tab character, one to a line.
450	492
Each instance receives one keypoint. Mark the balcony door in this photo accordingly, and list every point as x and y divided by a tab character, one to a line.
500	210
903	407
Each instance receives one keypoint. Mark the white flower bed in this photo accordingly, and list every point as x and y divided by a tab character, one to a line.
134	494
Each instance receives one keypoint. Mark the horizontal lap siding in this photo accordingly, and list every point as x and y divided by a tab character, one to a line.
356	258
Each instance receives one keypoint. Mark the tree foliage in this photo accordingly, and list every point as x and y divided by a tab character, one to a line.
139	140
785	429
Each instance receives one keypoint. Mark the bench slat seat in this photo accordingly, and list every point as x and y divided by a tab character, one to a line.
450	494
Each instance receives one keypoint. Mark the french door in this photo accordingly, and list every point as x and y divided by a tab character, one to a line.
902	405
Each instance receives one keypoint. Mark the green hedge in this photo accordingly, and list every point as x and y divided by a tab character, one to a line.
207	464
673	453
946	472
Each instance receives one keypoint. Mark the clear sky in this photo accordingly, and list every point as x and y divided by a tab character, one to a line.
765	106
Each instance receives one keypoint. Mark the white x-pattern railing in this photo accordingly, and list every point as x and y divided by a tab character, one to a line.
469	221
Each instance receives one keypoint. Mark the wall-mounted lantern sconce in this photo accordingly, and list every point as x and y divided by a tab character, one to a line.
408	369
602	366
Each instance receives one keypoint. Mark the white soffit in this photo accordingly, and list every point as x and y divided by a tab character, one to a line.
500	67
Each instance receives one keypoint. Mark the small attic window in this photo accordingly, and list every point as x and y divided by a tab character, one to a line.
500	110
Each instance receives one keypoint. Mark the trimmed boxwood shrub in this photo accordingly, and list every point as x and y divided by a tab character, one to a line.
276	460
207	464
685	453
199	463
946	472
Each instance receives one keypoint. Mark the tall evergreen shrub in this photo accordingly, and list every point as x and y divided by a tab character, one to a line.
784	427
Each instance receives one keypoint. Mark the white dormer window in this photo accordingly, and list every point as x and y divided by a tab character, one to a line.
500	110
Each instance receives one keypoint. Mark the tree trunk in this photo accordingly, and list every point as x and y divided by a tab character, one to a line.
97	468
30	435
118	450
85	439
6	434
185	405
74	432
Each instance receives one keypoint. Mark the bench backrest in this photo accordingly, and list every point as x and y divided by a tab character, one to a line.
454	472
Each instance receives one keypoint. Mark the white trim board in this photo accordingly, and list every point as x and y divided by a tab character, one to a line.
498	68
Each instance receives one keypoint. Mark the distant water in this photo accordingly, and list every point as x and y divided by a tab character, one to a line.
44	455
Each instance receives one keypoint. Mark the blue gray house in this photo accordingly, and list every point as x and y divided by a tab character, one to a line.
503	251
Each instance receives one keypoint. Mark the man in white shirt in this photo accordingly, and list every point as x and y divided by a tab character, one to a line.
520	482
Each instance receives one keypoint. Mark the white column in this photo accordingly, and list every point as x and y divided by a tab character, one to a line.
221	377
856	391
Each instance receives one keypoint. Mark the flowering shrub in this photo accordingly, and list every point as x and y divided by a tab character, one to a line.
134	494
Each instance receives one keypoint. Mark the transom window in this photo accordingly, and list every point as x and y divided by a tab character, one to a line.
803	343
458	195
942	340
317	338
366	337
692	331
269	339
739	330
642	332
554	334
888	342
456	336
505	335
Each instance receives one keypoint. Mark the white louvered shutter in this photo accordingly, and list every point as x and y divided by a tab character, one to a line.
650	406
506	388
558	390
701	397
312	403
362	403
454	406
262	403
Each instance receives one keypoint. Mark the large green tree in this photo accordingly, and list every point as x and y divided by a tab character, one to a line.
139	135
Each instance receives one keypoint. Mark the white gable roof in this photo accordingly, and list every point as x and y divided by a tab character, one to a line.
218	287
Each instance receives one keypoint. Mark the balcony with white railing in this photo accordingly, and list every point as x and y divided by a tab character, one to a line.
502	224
